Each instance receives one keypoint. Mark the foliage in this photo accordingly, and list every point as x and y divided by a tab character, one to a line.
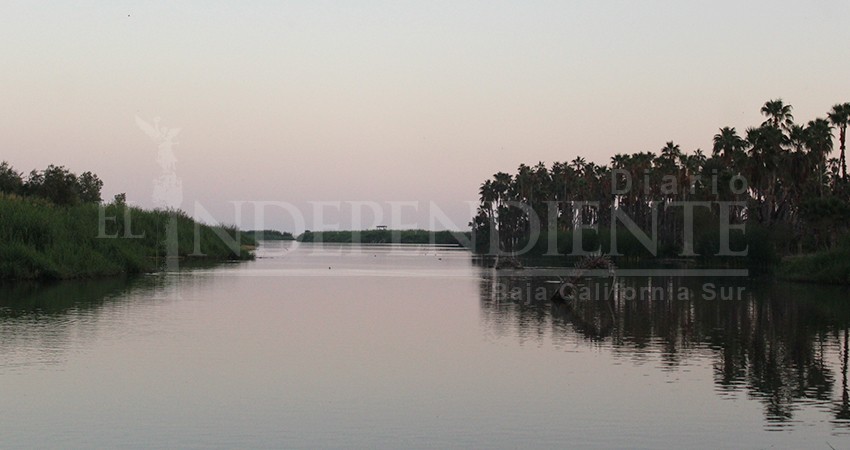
55	183
788	194
10	180
832	266
39	239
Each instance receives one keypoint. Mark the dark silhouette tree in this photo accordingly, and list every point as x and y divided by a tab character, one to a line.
11	181
840	117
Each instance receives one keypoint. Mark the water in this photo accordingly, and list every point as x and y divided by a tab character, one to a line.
416	347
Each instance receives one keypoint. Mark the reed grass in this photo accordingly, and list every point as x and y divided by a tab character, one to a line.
40	240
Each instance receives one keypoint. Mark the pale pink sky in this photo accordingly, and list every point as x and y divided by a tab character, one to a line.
394	101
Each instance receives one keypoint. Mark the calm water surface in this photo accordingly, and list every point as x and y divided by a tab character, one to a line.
341	346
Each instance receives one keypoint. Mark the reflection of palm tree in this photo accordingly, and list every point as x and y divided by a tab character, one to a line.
594	323
843	410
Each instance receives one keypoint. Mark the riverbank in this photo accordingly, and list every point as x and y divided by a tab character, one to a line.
828	267
41	240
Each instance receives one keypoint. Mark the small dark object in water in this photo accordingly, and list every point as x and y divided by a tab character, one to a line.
565	291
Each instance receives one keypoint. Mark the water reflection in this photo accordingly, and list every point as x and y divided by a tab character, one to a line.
41	322
50	300
783	345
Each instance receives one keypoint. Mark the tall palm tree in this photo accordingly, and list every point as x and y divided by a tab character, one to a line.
488	196
766	155
501	184
818	139
619	161
578	165
797	137
524	180
840	117
671	152
778	114
728	145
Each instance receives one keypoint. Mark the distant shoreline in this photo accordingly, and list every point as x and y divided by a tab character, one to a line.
457	238
269	235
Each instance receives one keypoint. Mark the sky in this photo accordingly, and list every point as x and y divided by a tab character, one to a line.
403	106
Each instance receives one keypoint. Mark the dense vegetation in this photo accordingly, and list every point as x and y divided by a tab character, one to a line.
386	236
52	225
791	193
269	235
55	184
830	266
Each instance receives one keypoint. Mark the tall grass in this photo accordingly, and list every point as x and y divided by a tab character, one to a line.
831	266
41	240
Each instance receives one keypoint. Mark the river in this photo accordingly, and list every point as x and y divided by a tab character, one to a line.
418	347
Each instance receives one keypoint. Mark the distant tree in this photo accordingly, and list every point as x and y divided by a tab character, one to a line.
88	188
60	186
10	180
56	183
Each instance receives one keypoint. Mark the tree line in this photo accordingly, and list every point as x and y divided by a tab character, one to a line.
55	184
784	180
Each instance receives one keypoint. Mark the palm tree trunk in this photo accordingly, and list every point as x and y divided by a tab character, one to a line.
842	136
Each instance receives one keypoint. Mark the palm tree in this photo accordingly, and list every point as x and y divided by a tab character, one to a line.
671	152
728	145
766	155
501	184
578	165
524	180
778	114
488	196
787	167
818	139
797	136
840	117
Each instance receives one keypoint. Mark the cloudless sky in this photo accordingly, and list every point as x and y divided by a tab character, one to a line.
387	101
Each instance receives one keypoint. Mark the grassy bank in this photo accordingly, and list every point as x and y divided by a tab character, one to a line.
41	240
386	236
832	267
